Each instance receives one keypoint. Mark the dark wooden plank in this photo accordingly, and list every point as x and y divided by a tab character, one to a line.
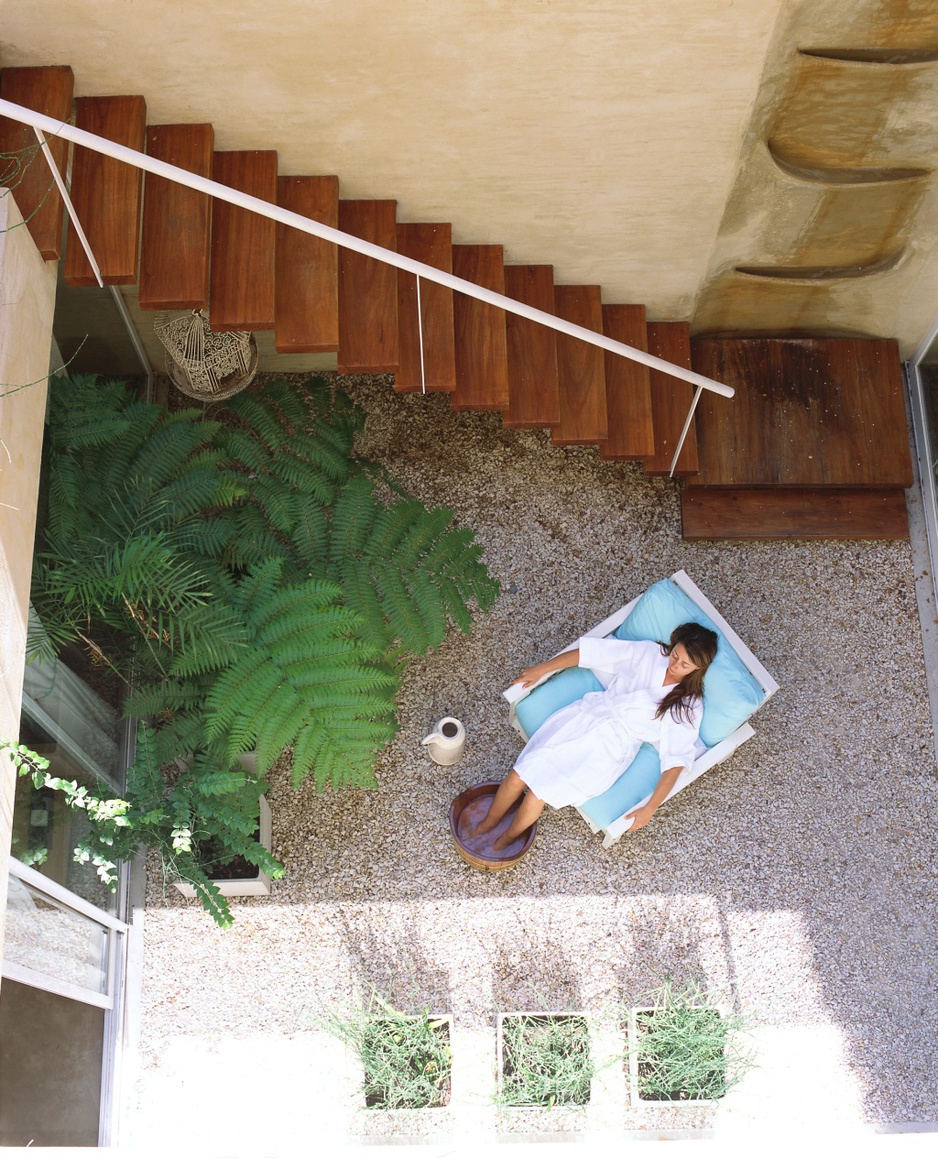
671	399
433	245
628	388
307	278
580	369
243	245
794	513
106	193
807	412
481	347
174	253
368	337
533	385
46	90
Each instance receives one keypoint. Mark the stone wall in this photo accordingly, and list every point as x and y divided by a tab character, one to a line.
27	297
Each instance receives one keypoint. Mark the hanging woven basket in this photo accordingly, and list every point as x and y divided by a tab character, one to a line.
201	363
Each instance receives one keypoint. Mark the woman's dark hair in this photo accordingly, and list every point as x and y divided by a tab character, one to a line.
700	643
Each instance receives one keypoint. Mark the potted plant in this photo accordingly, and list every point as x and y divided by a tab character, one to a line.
232	873
544	1059
406	1059
684	1048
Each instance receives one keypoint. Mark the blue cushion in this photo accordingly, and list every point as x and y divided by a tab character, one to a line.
635	783
566	686
731	694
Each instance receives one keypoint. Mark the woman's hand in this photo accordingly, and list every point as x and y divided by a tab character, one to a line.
531	675
640	817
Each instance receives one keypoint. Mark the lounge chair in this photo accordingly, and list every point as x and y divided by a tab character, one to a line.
735	686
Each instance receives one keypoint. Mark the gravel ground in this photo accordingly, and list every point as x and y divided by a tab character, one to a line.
798	878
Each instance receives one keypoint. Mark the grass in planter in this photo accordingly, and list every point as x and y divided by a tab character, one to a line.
686	1050
546	1061
407	1060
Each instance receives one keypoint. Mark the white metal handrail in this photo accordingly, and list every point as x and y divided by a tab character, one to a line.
273	212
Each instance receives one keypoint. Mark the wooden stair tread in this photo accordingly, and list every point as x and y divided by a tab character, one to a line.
433	245
46	90
107	193
243	244
174	252
580	369
368	339
794	513
481	346
807	412
533	385
671	399
307	269
628	387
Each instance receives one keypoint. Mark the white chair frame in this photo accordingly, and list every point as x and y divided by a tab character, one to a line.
710	756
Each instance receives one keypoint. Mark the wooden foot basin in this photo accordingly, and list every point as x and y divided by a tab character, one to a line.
467	810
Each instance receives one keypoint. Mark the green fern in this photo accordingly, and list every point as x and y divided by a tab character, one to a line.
255	590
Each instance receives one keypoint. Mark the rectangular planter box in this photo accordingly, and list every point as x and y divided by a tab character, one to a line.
501	1053
257	886
447	1019
637	1099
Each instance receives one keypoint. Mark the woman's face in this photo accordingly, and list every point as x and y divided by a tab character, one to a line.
679	664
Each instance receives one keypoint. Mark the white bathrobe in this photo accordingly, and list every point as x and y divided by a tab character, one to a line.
583	749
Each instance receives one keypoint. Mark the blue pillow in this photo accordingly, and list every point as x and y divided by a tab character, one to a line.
566	686
731	694
635	783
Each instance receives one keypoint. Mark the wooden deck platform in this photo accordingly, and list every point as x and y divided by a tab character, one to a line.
815	423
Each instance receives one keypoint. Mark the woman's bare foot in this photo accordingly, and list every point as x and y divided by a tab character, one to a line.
507	838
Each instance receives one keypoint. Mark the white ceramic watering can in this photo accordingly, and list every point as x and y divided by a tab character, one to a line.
445	745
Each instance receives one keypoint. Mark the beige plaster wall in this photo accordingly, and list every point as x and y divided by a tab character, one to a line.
601	137
829	121
27	298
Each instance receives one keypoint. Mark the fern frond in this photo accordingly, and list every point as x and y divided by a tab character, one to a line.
310	534
356	519
256	412
193	490
245	449
360	594
169	445
304	474
399	608
277	504
392	526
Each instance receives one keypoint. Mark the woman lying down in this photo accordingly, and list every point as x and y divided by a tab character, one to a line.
652	692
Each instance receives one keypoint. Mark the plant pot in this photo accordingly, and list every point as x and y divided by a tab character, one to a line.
548	1036
641	1023
257	884
443	1029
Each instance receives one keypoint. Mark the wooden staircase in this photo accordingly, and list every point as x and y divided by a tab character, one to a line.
185	252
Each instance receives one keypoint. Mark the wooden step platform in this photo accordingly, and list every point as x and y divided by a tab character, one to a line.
580	369
174	253
794	513
808	412
106	193
533	385
45	90
243	245
307	270
368	328
431	243
628	388
670	400
481	343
